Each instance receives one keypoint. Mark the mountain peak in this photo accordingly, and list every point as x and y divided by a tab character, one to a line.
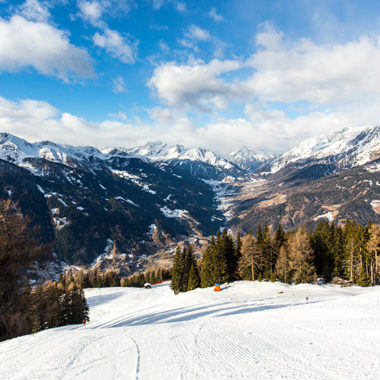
348	147
249	158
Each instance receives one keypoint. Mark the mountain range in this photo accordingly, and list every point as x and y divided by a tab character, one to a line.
143	201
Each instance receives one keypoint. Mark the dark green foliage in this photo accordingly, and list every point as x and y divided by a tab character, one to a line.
74	306
207	277
194	279
184	269
177	271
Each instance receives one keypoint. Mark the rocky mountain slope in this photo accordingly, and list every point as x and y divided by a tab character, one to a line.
344	149
83	198
327	178
198	161
144	201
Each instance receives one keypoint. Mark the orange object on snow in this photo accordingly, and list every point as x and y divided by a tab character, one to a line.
217	288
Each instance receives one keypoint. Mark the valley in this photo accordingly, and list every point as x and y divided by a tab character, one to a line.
145	201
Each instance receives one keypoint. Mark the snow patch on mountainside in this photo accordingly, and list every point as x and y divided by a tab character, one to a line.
177	213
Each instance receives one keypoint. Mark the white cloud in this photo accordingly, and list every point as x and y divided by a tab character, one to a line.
39	45
337	84
180	6
196	84
115	45
163	46
93	11
163	115
262	127
214	15
118	85
157	4
319	74
33	10
197	33
90	11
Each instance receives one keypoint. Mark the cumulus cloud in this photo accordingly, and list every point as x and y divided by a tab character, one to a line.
197	33
194	35
34	10
335	84
261	127
163	115
90	11
214	15
93	11
36	44
115	45
320	74
118	85
197	85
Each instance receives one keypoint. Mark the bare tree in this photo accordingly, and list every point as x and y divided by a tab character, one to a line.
250	257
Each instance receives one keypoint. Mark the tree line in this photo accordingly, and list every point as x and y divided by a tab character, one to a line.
95	278
346	253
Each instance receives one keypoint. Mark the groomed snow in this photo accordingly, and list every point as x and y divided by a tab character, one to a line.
246	331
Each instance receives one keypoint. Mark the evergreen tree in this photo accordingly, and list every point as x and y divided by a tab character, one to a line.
207	278
176	272
227	250
220	271
194	279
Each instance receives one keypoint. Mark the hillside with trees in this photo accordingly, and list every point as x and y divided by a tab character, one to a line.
348	254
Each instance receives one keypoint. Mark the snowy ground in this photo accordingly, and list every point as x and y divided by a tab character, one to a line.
247	331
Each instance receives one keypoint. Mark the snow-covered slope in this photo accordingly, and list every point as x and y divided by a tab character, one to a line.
159	151
16	150
247	331
250	159
348	147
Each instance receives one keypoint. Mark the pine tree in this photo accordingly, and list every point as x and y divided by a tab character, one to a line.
176	272
207	278
219	261
194	279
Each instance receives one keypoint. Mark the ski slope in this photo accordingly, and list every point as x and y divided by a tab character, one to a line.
249	330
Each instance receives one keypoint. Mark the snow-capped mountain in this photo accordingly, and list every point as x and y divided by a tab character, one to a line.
159	151
16	150
153	196
81	198
346	148
250	159
198	161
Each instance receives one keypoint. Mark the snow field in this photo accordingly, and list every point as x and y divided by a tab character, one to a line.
246	331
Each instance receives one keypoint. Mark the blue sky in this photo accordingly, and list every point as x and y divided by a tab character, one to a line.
222	74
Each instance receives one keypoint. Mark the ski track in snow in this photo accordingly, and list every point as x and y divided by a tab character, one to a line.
250	330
